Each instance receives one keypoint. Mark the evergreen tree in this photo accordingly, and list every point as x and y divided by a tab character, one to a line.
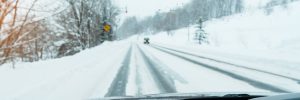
200	33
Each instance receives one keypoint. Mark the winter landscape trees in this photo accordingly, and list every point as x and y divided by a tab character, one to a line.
20	33
82	24
187	15
27	36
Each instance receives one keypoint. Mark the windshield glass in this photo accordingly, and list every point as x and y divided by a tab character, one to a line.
92	49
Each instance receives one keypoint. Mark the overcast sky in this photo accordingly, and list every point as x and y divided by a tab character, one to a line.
142	8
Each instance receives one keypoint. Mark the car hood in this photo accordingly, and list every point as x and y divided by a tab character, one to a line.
191	95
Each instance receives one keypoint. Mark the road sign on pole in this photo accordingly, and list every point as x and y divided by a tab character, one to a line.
106	27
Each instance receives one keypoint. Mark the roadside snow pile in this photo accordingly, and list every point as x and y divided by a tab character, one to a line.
73	77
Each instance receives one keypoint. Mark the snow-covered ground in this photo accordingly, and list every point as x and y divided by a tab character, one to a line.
75	77
251	30
251	38
242	39
90	74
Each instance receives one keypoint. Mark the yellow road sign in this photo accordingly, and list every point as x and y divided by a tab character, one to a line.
107	28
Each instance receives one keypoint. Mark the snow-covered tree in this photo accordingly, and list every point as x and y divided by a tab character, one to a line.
18	32
27	36
83	22
129	27
189	14
200	34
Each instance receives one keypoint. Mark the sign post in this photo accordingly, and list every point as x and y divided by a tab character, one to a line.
106	27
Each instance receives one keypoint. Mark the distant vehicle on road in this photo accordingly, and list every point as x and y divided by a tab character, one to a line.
146	40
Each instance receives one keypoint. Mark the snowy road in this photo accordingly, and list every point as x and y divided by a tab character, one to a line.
118	86
162	80
219	61
158	67
230	74
128	68
253	82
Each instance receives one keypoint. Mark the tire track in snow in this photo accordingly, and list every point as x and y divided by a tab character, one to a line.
118	86
235	65
252	82
163	81
138	79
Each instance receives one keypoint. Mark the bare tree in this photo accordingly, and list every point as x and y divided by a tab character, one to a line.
187	14
83	22
13	32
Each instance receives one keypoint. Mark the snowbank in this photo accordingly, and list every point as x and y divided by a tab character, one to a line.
74	77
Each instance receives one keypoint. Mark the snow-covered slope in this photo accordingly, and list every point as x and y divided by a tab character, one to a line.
251	30
258	30
251	39
75	77
278	31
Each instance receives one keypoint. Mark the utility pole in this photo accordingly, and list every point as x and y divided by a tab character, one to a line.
188	31
189	22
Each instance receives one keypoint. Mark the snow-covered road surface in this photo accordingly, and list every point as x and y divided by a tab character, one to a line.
170	77
292	77
129	68
260	80
118	86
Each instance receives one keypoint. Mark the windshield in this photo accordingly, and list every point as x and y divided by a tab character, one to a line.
92	49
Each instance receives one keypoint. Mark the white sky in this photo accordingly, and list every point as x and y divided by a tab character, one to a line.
142	8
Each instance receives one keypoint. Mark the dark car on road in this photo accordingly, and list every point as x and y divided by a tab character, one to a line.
146	40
